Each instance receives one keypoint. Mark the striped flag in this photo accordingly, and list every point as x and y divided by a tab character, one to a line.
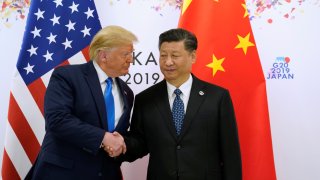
57	33
227	56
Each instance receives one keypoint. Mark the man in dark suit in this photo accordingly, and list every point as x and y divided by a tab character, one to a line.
77	130
189	133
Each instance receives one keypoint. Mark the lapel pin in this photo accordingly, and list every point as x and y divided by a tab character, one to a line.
125	92
201	93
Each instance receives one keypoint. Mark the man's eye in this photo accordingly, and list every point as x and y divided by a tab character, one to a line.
127	54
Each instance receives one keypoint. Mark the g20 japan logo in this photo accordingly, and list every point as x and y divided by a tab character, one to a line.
280	69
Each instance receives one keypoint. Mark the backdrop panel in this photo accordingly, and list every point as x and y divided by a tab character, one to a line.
287	37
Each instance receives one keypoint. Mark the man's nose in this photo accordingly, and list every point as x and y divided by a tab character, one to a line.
169	61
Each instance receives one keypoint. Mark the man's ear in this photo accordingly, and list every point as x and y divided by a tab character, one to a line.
194	56
102	55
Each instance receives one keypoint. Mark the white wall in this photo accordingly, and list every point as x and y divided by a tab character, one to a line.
10	41
293	103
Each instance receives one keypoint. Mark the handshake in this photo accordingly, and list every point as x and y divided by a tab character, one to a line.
113	144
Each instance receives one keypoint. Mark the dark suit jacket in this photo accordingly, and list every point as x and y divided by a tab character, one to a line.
75	125
207	147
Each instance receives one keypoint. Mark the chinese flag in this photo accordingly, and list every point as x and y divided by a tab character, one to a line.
227	56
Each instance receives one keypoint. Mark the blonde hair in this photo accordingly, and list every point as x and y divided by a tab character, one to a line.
110	37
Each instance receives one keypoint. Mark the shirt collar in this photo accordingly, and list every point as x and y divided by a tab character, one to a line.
185	87
101	74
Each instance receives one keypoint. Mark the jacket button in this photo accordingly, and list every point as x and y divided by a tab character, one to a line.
178	147
99	174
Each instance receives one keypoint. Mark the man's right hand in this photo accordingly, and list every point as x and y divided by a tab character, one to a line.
113	144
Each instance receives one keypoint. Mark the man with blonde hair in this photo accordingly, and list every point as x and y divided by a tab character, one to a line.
84	106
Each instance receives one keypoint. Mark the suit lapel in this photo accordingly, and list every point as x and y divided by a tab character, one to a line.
162	103
92	79
124	94
197	96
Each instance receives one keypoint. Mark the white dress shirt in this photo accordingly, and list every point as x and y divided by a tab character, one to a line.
118	101
185	89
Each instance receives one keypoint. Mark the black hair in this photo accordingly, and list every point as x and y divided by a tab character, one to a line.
179	34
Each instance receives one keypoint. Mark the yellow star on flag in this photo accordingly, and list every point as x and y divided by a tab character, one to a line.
245	9
185	5
216	65
244	43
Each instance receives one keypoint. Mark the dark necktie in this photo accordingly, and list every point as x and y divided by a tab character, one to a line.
178	111
108	97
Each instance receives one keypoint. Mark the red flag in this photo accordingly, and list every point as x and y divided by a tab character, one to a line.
227	56
57	33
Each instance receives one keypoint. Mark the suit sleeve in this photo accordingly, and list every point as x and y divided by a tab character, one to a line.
135	141
60	120
230	148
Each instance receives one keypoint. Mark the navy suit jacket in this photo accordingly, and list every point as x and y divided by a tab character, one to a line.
208	146
75	126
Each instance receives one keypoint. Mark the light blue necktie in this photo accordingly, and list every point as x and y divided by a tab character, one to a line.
108	97
178	111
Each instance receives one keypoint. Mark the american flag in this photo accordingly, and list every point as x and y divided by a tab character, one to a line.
57	33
